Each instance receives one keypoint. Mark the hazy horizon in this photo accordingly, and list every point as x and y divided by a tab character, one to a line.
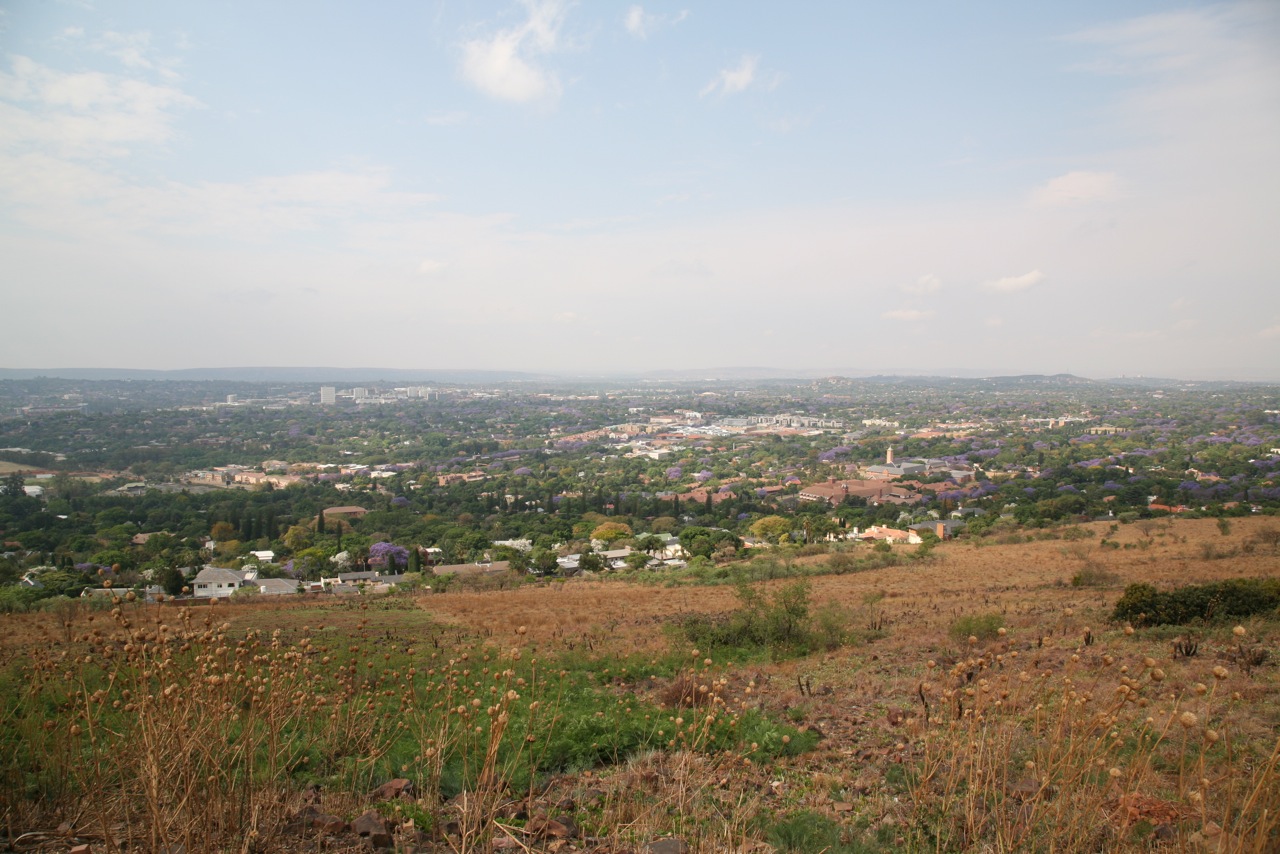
570	188
323	373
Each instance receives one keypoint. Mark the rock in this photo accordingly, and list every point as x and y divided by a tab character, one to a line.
81	849
842	806
301	820
1165	833
561	827
66	829
670	845
566	805
372	827
390	791
369	823
328	824
592	798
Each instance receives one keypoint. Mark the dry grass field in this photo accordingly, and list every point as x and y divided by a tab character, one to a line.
1041	725
1026	580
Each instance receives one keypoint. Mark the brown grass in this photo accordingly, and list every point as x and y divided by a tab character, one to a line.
913	755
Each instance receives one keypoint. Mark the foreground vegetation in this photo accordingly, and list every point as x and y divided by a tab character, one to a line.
973	701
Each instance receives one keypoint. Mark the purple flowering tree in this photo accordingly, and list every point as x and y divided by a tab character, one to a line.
388	555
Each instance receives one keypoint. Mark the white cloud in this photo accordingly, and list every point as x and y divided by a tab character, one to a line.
1270	332
505	65
642	24
1076	188
907	314
731	81
926	284
85	113
1014	284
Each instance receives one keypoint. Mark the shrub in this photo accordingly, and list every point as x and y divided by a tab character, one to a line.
842	562
780	622
981	626
1093	576
1144	605
807	832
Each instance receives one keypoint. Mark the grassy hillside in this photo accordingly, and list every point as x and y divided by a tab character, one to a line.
979	698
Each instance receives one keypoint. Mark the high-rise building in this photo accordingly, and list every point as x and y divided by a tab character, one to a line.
328	394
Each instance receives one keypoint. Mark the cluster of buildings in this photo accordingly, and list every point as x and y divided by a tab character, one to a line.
882	484
361	395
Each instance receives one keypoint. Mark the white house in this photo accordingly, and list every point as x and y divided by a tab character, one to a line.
215	583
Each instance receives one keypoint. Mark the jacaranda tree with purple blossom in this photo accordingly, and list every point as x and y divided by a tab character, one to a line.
388	556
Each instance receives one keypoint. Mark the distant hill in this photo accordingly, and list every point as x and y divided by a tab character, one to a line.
429	376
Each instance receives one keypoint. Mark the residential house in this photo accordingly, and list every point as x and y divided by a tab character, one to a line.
213	582
277	586
944	528
345	512
496	567
878	533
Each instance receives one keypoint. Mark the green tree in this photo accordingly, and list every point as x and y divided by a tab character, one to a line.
637	560
15	484
611	532
171	580
589	561
771	528
297	538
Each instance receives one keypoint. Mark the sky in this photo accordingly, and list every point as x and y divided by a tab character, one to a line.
594	187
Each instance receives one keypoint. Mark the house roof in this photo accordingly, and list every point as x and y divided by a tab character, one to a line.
472	568
346	510
218	575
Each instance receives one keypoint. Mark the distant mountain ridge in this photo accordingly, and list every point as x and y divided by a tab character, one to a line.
428	376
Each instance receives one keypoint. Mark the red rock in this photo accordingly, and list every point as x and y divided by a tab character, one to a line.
390	791
328	824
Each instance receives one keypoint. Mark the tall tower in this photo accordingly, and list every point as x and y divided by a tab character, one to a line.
328	394
888	457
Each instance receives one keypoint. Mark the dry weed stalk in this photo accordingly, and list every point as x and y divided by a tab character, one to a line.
162	729
1074	757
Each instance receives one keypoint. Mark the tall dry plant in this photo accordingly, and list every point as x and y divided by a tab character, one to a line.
158	728
1081	754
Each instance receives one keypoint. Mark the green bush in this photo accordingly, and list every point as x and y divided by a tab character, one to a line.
808	832
781	623
982	626
1093	576
1144	605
